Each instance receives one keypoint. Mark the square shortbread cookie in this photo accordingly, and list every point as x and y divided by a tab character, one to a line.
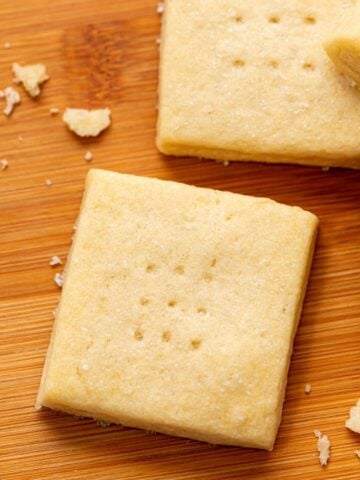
343	45
179	310
250	80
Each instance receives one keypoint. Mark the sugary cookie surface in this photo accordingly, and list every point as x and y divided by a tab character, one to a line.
179	309
244	80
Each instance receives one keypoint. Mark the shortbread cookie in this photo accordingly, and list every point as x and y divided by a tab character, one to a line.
343	45
179	309
244	80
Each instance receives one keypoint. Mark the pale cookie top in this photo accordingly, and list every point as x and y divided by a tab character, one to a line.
251	80
179	309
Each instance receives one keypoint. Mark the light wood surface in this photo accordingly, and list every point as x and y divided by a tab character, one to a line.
104	53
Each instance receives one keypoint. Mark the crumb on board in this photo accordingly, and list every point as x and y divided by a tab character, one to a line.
308	388
4	164
54	261
20	138
160	8
325	169
357	453
75	226
59	279
31	76
158	40
323	446
353	422
48	182
88	156
12	98
101	423
87	123
7	45
226	163
54	111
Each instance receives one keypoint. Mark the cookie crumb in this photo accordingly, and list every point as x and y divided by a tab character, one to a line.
12	97
308	388
48	182
325	169
20	138
353	422
357	453
59	279
88	156
323	446
54	111
31	76
226	163
54	261
87	123
7	45
160	8
158	40
101	423
4	164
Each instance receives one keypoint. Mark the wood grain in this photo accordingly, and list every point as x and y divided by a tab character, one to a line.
105	54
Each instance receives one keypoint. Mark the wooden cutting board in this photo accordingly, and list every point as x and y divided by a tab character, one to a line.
104	53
